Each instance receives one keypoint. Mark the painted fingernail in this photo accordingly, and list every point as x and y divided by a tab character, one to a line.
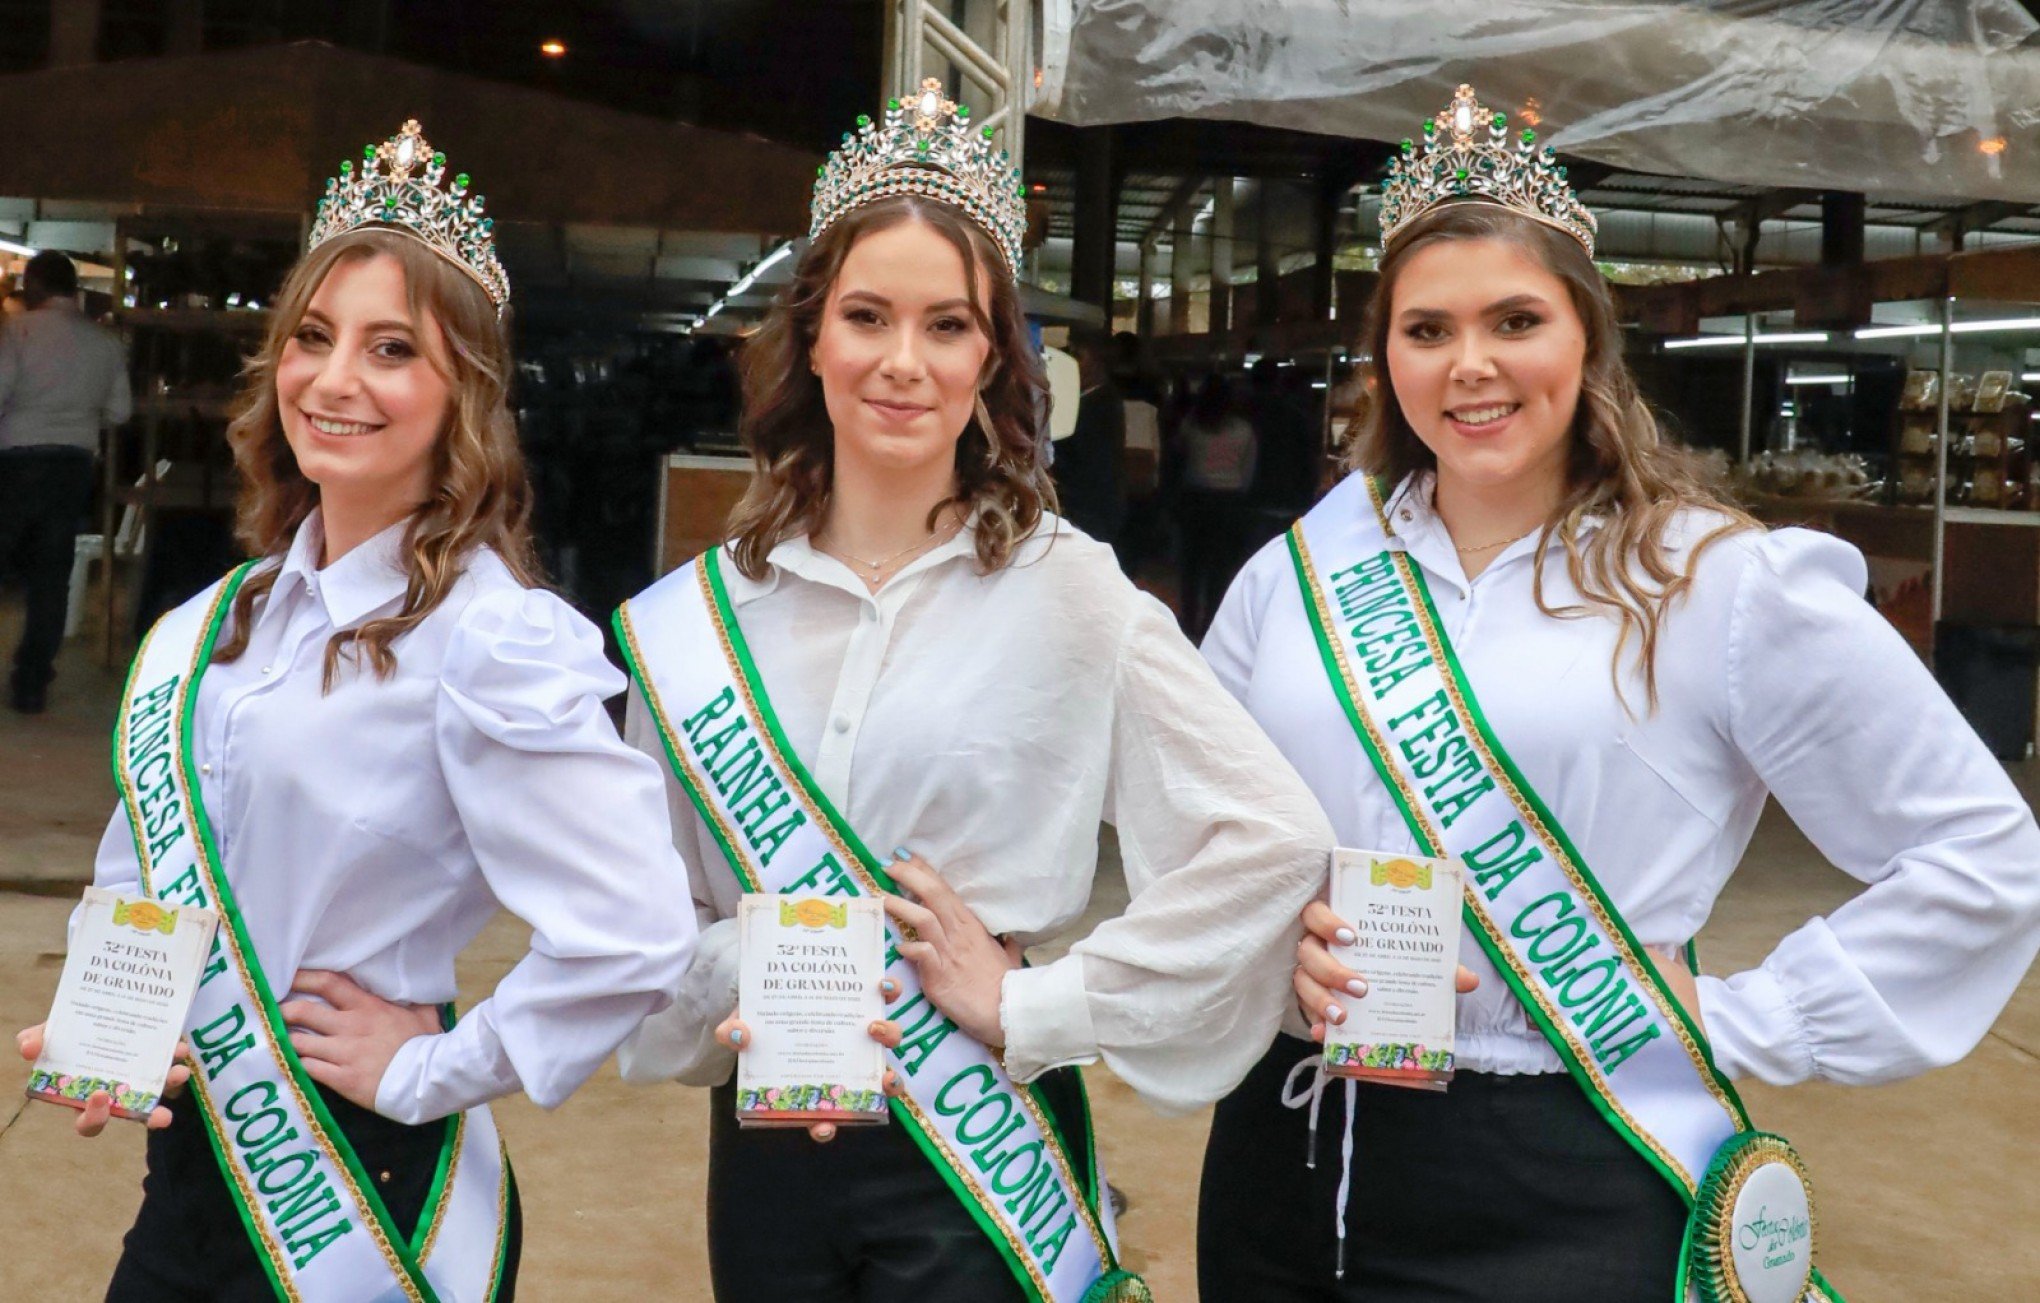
1333	1013
902	853
736	1036
1358	986
1346	936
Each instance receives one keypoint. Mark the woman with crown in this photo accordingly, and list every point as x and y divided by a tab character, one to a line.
356	748
1525	633
917	654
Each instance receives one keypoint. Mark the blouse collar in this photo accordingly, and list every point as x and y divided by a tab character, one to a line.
799	556
370	576
1414	523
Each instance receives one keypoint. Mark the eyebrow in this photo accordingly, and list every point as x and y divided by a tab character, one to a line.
1510	304
946	305
313	314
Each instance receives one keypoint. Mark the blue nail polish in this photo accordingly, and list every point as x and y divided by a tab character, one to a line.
737	1036
902	853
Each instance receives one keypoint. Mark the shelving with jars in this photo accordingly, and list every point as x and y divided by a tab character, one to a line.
1989	465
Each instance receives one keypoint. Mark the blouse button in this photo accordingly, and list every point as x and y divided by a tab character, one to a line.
841	723
205	768
383	1176
1406	514
267	668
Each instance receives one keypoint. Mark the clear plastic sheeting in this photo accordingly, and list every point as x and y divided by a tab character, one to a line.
1932	98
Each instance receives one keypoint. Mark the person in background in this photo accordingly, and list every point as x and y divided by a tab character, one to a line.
1219	455
1144	532
61	378
1285	472
1090	481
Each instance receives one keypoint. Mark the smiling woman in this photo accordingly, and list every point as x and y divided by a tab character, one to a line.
384	732
400	356
904	351
903	646
1594	740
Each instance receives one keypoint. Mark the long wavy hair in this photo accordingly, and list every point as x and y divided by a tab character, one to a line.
1000	472
1619	469
480	494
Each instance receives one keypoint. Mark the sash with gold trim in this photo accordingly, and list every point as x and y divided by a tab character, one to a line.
1540	914
319	1228
993	1141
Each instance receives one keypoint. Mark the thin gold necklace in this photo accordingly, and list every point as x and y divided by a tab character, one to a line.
877	567
1489	547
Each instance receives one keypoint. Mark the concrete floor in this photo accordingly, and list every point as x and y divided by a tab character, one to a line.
1930	1189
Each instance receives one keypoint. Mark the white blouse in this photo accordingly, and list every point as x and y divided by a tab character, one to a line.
375	829
989	723
1774	675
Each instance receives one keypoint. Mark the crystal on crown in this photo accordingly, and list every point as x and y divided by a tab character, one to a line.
397	187
924	146
1463	162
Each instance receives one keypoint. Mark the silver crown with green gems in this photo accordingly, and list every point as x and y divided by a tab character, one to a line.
1467	154
397	186
925	147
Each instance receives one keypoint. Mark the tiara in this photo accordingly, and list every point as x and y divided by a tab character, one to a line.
397	187
925	147
1465	163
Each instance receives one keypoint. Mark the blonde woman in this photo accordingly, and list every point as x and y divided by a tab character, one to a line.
1525	633
904	676
388	731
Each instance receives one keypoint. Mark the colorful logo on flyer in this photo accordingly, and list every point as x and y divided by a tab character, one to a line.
813	913
819	1098
145	916
1402	875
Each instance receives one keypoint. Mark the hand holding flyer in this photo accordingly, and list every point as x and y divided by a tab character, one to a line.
1405	914
133	968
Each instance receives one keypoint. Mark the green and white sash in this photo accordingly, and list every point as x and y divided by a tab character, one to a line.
318	1225
993	1141
1539	913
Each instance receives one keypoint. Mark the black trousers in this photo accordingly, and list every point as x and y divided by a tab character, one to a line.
865	1218
44	495
188	1244
1500	1190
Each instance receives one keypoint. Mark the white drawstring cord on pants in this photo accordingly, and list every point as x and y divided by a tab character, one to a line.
1312	1095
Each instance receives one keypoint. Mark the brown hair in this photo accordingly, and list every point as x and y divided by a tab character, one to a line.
480	495
1620	467
999	467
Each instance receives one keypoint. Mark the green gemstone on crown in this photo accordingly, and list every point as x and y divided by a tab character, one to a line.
461	180
1430	127
1529	136
892	106
346	167
963	110
988	133
1460	175
368	153
864	119
438	159
1501	120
